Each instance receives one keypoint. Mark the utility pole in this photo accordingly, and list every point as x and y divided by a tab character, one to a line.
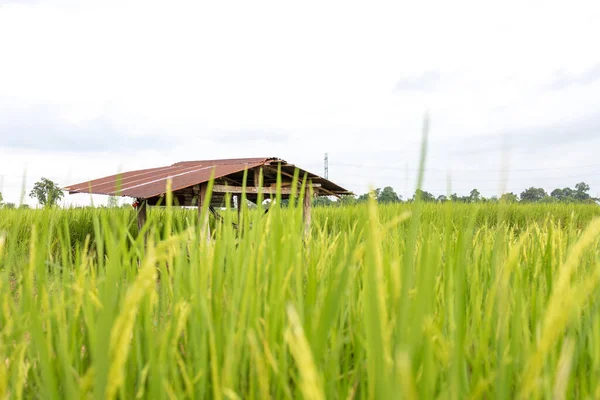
326	174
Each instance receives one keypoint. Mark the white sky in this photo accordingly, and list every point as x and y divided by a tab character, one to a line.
89	88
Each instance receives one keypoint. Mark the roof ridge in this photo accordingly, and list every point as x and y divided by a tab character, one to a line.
228	161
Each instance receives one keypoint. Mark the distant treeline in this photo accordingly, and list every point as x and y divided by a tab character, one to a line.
580	194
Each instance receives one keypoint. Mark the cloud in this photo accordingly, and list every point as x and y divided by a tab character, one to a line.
43	128
19	2
40	128
535	138
563	80
429	81
253	135
212	83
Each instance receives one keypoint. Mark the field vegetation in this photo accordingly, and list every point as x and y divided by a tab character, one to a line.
379	301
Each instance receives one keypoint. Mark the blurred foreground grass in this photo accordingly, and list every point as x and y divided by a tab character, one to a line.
413	301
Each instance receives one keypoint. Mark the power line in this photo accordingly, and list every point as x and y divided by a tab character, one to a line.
516	179
398	168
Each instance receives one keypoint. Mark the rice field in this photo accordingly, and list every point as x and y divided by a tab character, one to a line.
447	301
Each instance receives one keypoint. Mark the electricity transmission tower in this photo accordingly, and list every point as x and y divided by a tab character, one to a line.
326	167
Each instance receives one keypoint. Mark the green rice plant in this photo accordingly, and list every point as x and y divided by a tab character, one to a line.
379	301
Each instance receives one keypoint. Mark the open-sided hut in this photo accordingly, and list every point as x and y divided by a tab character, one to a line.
189	181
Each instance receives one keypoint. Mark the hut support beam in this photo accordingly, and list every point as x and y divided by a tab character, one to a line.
256	176
306	211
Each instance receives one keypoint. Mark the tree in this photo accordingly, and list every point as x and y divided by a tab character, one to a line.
424	195
363	198
559	194
441	198
9	206
46	192
322	201
346	200
581	191
474	196
372	194
533	195
563	195
1	199
388	195
509	198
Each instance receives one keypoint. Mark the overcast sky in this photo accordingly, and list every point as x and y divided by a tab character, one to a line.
90	88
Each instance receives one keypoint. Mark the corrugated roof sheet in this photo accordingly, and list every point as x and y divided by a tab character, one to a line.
151	182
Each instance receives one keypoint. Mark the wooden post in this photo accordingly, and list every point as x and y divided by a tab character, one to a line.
307	211
256	177
141	216
204	226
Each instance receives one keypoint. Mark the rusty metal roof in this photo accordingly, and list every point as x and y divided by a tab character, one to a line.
151	182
